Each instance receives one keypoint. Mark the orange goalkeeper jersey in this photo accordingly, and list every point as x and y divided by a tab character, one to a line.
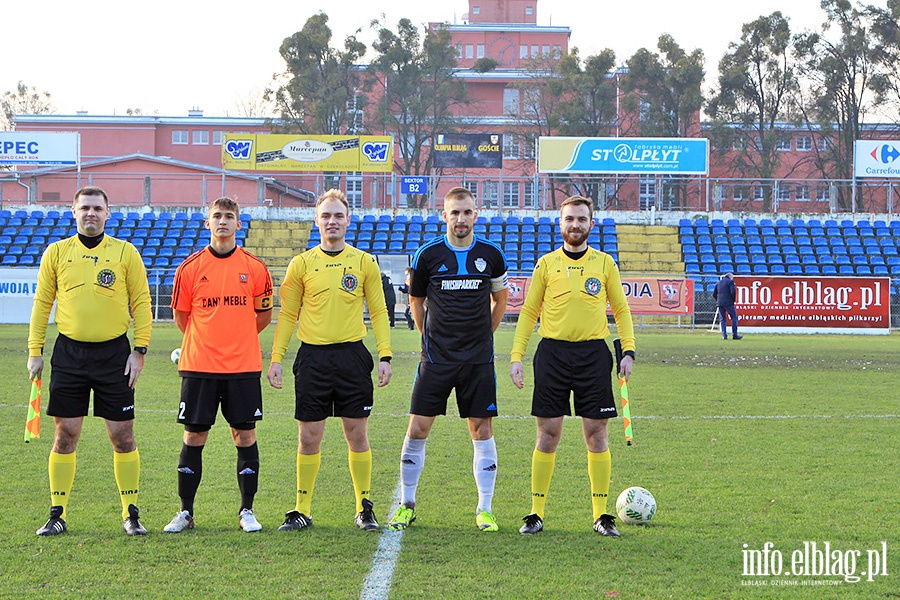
222	295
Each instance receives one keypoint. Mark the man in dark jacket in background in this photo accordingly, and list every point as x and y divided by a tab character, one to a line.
724	295
390	297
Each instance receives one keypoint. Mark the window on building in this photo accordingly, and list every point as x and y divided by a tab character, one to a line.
783	144
738	193
557	51
511	101
528	197
218	136
511	190
355	190
459	51
200	138
470	51
804	143
784	193
511	146
759	193
823	193
472	186
823	143
737	144
476	10
489	193
179	137
354	115
480	52
534	50
529	10
530	145
545	49
647	190
523	51
804	193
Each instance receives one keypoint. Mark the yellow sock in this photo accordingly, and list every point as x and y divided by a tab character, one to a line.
307	471
542	464
127	467
361	474
62	476
599	469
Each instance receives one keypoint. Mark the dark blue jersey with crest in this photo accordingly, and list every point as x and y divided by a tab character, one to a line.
458	283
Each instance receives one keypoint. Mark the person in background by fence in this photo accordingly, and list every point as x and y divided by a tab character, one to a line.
407	276
390	297
725	294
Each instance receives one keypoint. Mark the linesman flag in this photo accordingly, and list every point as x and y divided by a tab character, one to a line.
623	392
33	422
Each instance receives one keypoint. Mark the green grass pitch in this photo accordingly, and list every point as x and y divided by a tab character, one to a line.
780	439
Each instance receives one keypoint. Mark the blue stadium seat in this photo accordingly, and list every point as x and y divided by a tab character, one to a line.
777	270
829	270
845	270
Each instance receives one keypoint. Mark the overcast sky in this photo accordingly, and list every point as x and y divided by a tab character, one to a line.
168	57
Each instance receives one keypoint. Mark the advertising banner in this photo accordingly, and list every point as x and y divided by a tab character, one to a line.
17	287
814	304
468	150
664	156
326	153
47	149
873	158
646	295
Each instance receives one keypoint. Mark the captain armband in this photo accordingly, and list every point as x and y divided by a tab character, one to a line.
500	283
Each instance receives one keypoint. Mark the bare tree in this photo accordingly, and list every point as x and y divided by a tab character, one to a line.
24	100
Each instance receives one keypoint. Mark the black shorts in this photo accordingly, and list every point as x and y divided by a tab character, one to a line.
79	367
584	368
333	381
241	401
476	390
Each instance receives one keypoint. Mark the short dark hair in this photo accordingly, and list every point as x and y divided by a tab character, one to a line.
226	203
90	190
577	200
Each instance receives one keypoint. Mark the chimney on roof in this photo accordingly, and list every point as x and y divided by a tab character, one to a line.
195	112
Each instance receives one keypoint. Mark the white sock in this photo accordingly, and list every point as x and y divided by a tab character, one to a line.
412	462
484	466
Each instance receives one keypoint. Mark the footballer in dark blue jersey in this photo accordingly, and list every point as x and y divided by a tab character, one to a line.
458	297
458	283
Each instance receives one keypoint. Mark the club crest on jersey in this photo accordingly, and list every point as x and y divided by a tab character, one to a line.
592	286
106	278
480	264
349	282
243	277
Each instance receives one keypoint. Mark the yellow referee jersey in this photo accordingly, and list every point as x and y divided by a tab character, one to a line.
325	295
92	289
571	297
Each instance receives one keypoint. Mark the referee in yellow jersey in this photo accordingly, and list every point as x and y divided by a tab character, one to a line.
569	290
99	283
324	289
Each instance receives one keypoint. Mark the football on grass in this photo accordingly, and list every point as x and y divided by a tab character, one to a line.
636	506
176	354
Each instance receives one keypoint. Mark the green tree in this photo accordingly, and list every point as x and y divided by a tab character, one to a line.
756	95
842	71
417	93
885	28
664	89
320	89
24	100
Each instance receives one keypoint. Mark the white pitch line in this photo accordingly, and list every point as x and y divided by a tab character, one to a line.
378	581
